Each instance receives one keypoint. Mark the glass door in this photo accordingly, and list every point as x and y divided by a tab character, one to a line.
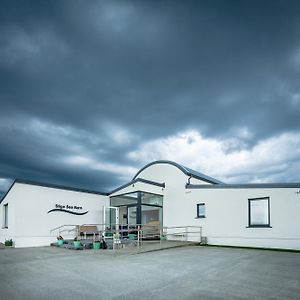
123	215
151	215
131	217
110	217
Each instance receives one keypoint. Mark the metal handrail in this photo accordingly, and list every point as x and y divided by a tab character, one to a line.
61	226
118	240
130	225
139	229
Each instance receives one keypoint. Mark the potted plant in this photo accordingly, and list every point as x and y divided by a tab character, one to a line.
96	245
60	241
163	237
8	243
76	243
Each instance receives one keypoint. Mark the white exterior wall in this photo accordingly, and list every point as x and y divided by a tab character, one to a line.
7	233
169	174
29	222
175	211
226	219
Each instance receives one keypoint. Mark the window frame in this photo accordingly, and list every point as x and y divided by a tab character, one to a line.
139	204
5	216
267	225
201	216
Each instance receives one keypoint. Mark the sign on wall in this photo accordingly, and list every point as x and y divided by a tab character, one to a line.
70	209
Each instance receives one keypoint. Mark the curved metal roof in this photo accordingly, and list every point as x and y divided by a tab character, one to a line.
185	170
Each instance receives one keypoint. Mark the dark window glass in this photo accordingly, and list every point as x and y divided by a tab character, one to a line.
201	210
259	212
5	221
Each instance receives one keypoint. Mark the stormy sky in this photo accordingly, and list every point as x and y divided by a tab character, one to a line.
91	91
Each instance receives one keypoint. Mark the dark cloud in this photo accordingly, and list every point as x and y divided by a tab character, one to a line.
94	79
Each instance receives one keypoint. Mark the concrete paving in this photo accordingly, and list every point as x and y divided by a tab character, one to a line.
192	272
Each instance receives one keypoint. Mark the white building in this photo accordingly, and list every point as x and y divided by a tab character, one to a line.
164	193
31	210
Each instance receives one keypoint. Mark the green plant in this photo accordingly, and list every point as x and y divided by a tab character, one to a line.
97	245
8	242
76	243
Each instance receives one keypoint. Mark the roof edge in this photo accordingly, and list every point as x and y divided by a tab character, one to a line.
54	186
7	191
244	185
183	169
135	181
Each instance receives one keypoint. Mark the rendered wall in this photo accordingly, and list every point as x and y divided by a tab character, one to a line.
7	233
29	220
175	212
171	175
226	219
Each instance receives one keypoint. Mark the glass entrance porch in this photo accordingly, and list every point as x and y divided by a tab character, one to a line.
139	208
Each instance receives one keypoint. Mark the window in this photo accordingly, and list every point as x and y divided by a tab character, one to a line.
151	199
201	210
5	218
259	212
139	208
127	199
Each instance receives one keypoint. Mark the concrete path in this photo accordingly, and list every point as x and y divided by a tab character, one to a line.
181	273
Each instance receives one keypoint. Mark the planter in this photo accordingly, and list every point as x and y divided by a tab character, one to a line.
76	244
163	238
8	243
96	245
60	242
131	236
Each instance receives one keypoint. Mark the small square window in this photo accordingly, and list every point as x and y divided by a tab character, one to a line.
201	210
259	212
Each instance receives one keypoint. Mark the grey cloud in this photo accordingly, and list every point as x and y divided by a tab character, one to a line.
151	68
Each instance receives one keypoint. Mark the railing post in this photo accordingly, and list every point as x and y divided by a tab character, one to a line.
160	236
200	234
186	234
113	242
138	238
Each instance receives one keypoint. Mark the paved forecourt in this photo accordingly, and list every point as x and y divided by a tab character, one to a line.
191	272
